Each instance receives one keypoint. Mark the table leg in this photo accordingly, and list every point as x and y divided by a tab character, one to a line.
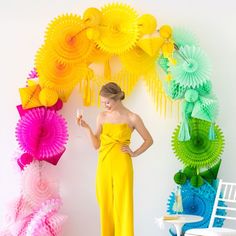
178	228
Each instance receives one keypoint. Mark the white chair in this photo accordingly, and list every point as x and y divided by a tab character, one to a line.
225	192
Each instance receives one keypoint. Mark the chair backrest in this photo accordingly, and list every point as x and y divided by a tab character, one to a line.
225	192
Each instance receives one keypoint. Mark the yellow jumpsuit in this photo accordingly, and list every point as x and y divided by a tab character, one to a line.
114	181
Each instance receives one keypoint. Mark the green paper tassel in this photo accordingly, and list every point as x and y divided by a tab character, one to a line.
212	134
184	131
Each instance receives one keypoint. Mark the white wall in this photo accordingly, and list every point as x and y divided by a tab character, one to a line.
22	25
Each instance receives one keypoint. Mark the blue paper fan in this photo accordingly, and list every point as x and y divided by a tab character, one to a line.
197	201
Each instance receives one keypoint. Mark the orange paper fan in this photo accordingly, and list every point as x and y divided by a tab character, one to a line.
66	37
56	75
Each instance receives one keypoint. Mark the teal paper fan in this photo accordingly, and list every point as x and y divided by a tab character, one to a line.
183	37
206	108
192	69
199	151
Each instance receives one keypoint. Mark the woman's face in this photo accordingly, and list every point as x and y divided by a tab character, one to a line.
108	103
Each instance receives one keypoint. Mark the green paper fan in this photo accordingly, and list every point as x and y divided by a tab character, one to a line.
199	151
206	108
184	37
192	69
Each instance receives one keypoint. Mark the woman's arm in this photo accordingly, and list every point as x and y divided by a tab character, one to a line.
95	137
144	133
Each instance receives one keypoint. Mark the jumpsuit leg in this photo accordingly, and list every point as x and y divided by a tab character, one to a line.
104	192
123	196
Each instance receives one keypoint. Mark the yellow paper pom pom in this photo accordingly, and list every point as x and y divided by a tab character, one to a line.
119	28
67	39
165	31
147	24
57	76
92	17
48	97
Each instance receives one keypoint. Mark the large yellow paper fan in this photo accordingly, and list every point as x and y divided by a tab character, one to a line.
119	29
66	37
58	76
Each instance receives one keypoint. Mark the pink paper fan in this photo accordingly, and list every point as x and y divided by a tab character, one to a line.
54	159
41	219
39	183
42	133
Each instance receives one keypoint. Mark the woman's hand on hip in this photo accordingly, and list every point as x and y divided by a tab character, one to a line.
126	149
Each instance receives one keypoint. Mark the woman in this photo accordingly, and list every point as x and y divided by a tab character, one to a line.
114	180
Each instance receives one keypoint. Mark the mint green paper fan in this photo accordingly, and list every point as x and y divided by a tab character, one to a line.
206	108
184	37
199	151
192	69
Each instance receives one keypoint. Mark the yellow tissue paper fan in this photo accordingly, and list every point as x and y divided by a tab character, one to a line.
119	29
66	37
58	76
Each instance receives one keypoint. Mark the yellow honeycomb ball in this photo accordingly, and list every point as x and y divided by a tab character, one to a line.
92	17
147	24
92	33
48	97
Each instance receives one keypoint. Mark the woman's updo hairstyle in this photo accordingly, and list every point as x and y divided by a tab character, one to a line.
113	91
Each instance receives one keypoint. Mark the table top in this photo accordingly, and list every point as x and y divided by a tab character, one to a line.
181	218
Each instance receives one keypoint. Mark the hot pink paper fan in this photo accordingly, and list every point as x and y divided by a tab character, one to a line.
42	133
39	183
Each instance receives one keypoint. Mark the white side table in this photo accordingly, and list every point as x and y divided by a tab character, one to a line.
181	220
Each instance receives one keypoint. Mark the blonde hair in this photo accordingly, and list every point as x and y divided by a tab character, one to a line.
113	91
